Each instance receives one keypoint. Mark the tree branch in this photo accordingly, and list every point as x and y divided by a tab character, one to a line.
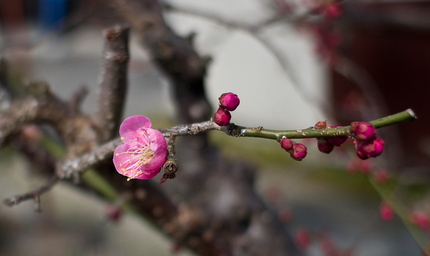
113	82
35	194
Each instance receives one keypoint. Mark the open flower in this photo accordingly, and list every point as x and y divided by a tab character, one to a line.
144	150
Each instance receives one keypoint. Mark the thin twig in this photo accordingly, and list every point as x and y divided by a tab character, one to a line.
80	164
256	31
35	194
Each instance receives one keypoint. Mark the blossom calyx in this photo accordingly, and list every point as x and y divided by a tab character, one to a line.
229	101
144	150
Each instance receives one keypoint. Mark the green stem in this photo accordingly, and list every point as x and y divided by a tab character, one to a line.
312	132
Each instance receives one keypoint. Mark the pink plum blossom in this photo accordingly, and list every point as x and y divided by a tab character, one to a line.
144	150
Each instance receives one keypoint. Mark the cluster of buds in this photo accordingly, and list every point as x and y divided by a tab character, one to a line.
366	143
297	151
227	102
326	145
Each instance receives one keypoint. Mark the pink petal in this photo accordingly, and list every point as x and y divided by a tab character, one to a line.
159	145
132	124
119	157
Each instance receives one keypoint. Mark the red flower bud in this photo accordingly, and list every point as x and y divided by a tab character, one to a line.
298	152
421	219
222	117
361	154
336	141
286	144
229	101
324	146
363	130
386	212
371	148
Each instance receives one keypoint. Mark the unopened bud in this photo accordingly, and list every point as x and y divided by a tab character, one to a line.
298	152
286	144
324	146
371	148
421	219
361	154
229	101
386	212
336	141
222	117
363	130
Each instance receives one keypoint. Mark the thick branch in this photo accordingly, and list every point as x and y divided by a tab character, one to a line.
174	55
113	81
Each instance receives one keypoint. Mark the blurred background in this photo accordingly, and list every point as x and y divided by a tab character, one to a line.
369	61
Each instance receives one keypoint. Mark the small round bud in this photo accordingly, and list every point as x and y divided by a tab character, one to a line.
363	130
222	117
371	148
336	141
321	125
361	154
298	152
420	219
286	144
229	101
386	212
324	146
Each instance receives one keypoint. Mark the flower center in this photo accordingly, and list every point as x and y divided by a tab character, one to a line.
139	154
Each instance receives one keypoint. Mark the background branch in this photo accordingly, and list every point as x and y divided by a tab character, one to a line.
113	81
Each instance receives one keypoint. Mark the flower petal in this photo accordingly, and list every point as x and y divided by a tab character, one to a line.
133	124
